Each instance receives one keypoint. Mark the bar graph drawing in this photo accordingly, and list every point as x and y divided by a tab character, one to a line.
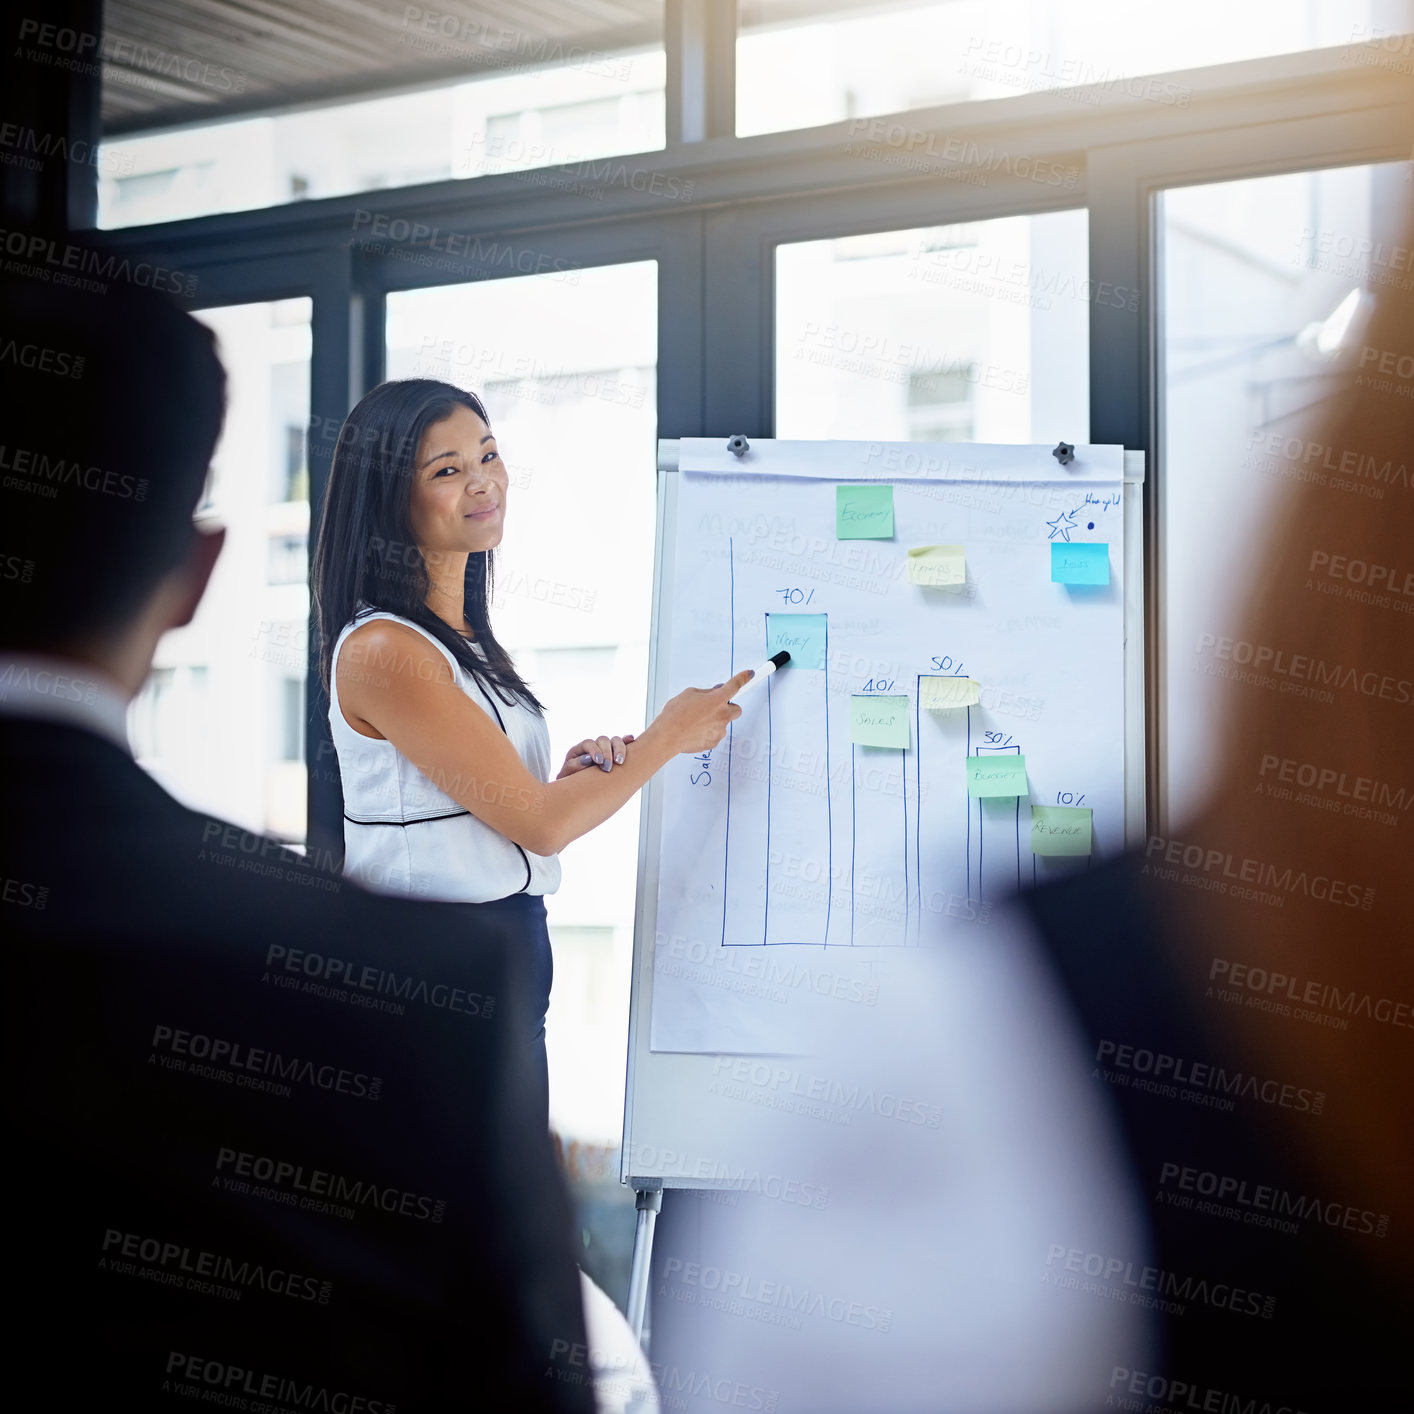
810	830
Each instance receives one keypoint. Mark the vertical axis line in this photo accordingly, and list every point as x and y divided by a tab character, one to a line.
770	771
903	782
829	817
1018	840
981	844
918	796
853	839
968	803
731	668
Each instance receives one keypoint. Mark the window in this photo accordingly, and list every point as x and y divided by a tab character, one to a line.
940	405
973	332
243	707
588	1018
1261	283
164	721
597	105
566	365
288	559
296	486
856	59
291	708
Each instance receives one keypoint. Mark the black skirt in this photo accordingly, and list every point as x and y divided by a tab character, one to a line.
524	914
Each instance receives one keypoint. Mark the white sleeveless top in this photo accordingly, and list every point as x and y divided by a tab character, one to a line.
403	835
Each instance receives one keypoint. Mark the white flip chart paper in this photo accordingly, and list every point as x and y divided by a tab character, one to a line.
792	852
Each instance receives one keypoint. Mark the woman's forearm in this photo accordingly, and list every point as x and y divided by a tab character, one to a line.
573	806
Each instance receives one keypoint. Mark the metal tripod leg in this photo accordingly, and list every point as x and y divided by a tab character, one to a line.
649	1203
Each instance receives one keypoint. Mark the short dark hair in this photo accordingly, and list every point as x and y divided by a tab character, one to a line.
113	404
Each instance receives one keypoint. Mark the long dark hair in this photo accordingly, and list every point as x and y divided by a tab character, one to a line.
365	557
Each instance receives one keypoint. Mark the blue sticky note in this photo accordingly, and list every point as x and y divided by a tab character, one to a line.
1080	562
801	635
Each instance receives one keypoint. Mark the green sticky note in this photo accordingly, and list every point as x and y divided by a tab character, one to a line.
801	635
1080	562
941	565
1000	774
1060	829
937	694
864	512
878	721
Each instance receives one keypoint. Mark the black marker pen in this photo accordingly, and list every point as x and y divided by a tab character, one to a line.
776	660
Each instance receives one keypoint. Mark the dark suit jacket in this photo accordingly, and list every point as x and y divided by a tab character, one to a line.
1267	1288
274	1133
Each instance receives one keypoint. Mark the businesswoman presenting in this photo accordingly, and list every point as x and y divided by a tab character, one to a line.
443	749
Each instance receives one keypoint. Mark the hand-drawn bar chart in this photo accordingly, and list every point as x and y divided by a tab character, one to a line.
783	869
949	728
779	841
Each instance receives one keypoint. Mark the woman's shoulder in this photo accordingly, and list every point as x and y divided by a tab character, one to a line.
380	636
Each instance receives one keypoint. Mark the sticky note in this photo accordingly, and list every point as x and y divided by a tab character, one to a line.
1060	829
938	694
878	721
937	565
864	512
1080	562
802	635
999	774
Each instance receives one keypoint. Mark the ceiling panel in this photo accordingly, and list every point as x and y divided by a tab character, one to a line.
183	61
168	62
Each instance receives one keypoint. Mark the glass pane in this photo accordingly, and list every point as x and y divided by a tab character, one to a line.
968	333
220	722
571	115
854	59
566	364
1261	291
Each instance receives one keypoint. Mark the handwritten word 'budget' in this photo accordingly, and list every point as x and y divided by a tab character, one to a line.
1003	774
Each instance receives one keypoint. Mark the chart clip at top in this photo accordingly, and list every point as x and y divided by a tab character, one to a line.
1064	453
738	446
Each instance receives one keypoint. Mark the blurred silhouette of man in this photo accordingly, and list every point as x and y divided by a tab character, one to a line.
1246	982
277	1133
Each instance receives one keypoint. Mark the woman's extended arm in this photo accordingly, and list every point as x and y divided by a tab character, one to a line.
393	683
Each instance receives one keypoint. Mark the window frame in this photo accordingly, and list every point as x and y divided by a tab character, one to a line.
716	250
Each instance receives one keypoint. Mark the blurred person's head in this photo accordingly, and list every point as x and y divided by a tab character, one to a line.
1324	966
416	501
113	404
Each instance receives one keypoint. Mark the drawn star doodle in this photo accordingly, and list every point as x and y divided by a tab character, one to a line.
1062	525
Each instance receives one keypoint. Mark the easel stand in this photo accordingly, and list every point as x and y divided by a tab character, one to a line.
649	1202
671	1109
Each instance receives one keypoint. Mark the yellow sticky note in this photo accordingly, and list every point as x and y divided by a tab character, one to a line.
1060	829
938	694
938	565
